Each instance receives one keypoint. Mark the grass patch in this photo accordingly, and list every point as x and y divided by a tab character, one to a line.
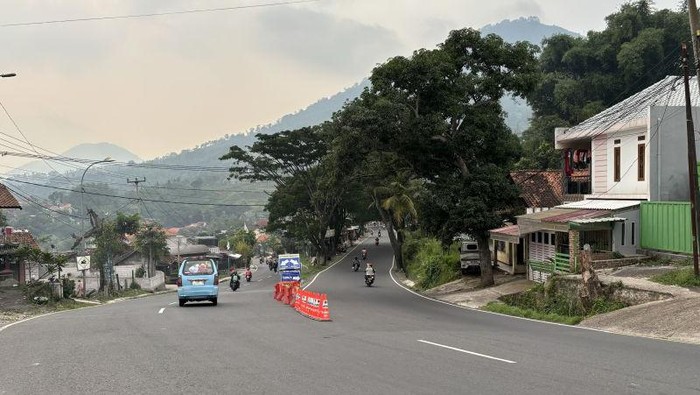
308	272
500	307
683	277
555	303
126	293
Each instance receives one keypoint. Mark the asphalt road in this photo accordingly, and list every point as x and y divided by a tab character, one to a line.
382	339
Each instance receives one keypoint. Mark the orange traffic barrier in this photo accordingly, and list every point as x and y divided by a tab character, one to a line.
278	291
312	305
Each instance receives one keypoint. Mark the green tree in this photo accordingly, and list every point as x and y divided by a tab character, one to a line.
456	139
151	241
110	238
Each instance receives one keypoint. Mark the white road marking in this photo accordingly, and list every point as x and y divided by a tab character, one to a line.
173	303
466	352
162	309
321	272
36	364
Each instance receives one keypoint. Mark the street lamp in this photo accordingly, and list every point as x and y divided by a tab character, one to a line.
82	193
82	208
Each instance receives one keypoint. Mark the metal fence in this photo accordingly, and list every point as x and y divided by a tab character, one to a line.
666	226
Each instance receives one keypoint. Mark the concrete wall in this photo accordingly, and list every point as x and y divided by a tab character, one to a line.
630	246
668	165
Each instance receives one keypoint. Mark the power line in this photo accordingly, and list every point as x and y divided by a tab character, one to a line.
155	14
145	200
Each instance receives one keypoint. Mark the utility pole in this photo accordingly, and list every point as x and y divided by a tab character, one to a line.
692	159
136	181
694	16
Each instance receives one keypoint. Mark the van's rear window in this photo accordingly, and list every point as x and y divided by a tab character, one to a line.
198	267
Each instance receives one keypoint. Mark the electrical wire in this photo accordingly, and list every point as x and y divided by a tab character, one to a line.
155	14
147	200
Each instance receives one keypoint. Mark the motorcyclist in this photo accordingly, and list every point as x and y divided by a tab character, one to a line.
379	233
248	273
376	241
235	279
364	253
356	262
369	270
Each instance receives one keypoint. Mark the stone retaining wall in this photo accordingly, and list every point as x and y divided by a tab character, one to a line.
619	262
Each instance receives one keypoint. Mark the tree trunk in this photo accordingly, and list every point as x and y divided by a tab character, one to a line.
591	284
485	262
396	242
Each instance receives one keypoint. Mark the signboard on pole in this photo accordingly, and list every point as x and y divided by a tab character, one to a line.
289	262
83	262
291	275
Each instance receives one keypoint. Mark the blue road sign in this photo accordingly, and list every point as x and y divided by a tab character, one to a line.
289	262
290	275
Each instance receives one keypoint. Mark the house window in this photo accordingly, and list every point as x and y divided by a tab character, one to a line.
501	246
546	238
533	237
641	138
632	233
539	237
622	240
641	148
616	161
551	239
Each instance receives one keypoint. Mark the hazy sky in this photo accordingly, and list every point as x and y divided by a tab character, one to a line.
161	84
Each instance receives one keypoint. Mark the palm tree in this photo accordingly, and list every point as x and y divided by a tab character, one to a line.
395	205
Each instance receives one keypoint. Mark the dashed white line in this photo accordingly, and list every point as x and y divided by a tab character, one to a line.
467	352
173	303
162	309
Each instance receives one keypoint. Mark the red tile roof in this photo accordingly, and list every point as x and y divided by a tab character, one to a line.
540	188
22	238
7	200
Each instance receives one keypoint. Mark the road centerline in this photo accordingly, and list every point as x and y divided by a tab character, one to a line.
466	351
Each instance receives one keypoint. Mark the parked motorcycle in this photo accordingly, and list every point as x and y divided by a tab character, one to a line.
369	279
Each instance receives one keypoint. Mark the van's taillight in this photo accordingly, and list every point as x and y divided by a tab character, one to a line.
179	281
216	280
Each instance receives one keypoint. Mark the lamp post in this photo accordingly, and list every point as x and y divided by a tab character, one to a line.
82	206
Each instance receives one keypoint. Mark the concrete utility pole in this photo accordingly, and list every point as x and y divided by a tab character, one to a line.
692	159
136	181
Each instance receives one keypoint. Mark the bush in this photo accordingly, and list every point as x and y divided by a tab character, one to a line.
140	272
68	288
134	285
428	263
38	292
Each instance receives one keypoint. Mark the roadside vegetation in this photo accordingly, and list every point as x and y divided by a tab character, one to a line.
555	303
683	277
429	264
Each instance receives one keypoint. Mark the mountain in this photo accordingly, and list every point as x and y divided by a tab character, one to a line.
87	150
518	112
525	29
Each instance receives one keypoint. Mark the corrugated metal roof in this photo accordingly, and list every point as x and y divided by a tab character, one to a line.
599	220
510	230
574	215
632	111
601	204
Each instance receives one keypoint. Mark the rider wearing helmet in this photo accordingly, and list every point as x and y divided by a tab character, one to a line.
369	270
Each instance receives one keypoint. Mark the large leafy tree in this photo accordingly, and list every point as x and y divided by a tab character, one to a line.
296	161
455	138
110	237
583	76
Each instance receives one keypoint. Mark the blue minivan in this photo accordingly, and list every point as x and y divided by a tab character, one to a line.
198	279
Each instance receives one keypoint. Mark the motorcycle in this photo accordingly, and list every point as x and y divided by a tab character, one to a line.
248	275
376	241
364	254
234	283
355	266
369	279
